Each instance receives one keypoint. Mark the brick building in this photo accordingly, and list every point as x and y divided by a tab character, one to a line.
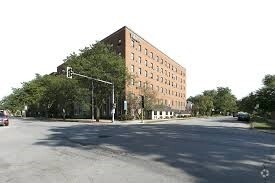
151	68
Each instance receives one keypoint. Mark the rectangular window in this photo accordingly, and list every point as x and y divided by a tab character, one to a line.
139	83
145	85
152	65
151	76
146	51
161	70
157	78
132	68
132	82
139	71
139	47
133	43
161	79
151	86
146	74
157	58
132	56
161	61
152	55
139	60
146	62
119	42
161	89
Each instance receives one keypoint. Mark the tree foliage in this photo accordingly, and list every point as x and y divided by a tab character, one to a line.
220	100
50	94
261	101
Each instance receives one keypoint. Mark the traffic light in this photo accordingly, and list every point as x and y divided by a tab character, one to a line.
69	72
142	101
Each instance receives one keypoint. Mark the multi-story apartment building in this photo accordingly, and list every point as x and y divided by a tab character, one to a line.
151	68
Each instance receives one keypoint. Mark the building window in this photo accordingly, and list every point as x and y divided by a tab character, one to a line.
139	47
152	65
165	72
169	66
139	71
161	79
161	61
132	82
169	82
151	76
157	58
169	74
145	85
157	68
146	74
166	90
133	43
165	81
132	56
139	60
165	63
119	42
152	55
132	68
151	86
139	83
161	70
161	89
146	62
157	78
146	51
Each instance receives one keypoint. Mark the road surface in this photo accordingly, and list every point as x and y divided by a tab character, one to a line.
197	151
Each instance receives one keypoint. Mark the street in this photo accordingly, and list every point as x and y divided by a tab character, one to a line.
216	150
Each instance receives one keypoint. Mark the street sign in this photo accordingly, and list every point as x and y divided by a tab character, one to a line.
69	72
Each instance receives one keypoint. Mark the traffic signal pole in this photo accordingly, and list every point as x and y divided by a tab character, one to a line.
70	73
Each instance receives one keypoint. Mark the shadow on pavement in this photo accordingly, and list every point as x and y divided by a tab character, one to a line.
211	154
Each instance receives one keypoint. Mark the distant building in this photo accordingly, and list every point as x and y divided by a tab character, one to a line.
151	67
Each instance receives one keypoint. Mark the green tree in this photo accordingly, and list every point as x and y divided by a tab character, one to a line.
225	101
269	80
101	62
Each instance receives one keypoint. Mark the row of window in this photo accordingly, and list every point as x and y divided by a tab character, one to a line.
171	103
161	79
158	69
159	89
151	55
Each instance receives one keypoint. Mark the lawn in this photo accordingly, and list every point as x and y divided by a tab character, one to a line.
261	123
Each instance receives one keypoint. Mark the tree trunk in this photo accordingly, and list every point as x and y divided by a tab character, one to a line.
97	114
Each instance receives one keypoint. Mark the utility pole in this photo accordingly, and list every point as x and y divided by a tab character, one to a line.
70	73
92	110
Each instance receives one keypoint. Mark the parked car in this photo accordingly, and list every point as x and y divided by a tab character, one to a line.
4	119
244	116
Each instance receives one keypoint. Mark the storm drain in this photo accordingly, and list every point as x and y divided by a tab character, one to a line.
104	136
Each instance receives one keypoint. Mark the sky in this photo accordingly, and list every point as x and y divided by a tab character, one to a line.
220	43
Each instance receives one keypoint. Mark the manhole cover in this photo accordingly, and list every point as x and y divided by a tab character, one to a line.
104	136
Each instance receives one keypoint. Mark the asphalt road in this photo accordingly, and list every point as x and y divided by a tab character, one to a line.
199	150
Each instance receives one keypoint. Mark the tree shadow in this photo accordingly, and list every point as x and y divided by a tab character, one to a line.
211	154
